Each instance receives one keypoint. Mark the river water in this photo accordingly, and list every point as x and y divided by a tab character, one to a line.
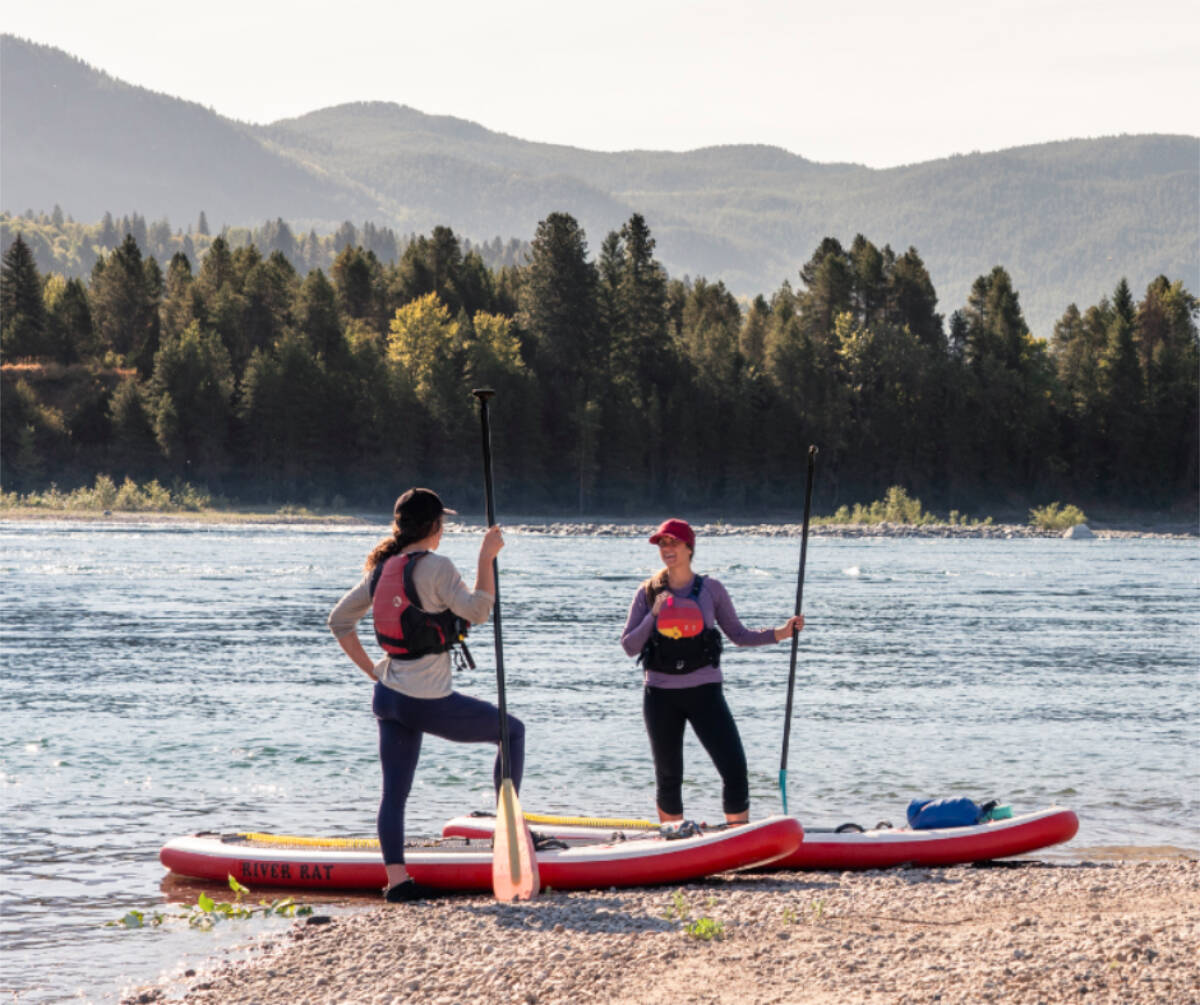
163	679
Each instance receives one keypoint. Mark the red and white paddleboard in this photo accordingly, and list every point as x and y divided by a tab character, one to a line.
351	864
887	847
881	848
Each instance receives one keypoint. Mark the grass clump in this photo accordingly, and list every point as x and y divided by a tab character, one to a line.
703	928
1056	517
706	929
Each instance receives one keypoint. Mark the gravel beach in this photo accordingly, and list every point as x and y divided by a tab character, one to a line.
1031	932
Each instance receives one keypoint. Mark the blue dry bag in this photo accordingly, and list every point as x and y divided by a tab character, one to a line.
928	814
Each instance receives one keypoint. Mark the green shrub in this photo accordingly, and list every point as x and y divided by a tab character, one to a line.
189	497
895	507
104	493
129	497
1052	517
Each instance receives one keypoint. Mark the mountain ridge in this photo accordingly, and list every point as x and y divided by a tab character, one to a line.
1066	218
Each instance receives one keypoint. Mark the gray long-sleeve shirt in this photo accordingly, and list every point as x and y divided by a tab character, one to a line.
716	607
440	588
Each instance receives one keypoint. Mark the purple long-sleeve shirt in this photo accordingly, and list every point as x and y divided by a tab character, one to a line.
717	609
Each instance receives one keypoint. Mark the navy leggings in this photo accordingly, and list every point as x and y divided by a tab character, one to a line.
402	722
667	711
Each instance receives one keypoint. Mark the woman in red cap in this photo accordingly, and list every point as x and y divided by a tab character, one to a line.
421	609
672	630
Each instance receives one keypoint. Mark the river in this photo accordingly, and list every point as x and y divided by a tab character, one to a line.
160	679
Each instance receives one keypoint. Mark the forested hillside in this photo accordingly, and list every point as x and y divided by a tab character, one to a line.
620	390
1064	218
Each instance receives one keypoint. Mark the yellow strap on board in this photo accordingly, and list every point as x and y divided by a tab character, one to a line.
309	842
608	822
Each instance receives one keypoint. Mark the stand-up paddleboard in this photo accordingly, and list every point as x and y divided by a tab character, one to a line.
886	847
462	864
879	848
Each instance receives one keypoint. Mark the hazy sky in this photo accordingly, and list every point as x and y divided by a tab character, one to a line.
880	82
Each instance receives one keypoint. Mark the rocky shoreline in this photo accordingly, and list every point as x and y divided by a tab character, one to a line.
1023	932
1001	531
524	524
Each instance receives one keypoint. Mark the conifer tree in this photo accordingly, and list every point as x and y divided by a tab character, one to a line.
317	316
559	309
22	313
124	306
69	322
190	396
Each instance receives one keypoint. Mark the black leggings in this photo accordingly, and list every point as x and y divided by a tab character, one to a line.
403	721
666	711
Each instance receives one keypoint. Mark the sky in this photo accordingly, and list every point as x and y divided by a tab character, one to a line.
875	82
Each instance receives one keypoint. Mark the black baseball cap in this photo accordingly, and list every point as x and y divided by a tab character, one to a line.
420	506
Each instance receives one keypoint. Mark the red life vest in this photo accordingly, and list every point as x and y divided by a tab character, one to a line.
402	628
680	642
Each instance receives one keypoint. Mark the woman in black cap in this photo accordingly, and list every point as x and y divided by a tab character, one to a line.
672	630
420	608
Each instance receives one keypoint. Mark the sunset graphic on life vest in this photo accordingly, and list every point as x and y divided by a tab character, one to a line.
680	619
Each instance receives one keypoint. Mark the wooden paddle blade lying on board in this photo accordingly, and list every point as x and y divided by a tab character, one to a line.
514	863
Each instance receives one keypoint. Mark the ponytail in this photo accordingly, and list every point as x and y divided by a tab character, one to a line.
398	540
654	586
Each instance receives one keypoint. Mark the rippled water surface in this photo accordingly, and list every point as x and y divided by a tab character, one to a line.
159	680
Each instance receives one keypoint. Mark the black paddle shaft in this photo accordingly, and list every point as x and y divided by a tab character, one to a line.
483	394
787	716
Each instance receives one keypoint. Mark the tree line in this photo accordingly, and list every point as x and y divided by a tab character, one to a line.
619	389
63	245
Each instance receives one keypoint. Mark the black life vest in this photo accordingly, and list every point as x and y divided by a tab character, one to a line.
680	643
402	628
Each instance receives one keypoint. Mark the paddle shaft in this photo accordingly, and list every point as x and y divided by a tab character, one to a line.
787	716
483	394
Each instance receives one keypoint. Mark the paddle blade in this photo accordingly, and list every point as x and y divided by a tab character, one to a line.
783	789
514	864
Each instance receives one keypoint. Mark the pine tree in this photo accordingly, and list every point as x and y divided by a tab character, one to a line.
22	313
1121	389
317	316
559	308
124	306
108	237
69	320
358	279
828	278
189	395
179	308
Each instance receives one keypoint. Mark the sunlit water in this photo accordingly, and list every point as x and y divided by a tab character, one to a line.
159	680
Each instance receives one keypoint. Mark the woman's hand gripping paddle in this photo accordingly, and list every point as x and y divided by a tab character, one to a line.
514	863
787	717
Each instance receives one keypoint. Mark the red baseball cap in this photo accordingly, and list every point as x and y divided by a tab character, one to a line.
677	529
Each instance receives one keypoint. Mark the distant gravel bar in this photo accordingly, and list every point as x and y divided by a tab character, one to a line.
564	528
524	524
1109	932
